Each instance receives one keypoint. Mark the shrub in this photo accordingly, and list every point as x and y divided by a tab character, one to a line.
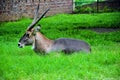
80	9
88	10
107	9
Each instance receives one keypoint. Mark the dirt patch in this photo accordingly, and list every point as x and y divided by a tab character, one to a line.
102	30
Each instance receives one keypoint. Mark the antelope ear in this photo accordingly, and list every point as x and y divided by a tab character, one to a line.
37	28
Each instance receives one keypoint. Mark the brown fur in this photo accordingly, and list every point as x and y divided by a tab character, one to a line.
41	43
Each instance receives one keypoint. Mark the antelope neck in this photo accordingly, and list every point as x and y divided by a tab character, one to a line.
41	42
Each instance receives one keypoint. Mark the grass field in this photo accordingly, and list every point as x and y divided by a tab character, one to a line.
24	64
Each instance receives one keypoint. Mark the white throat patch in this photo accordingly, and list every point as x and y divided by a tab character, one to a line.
33	46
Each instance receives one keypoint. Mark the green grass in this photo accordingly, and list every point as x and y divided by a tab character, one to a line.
24	64
84	0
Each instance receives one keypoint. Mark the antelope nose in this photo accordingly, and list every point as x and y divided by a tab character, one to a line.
19	45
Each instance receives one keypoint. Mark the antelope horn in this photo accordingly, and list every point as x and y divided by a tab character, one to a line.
36	14
34	23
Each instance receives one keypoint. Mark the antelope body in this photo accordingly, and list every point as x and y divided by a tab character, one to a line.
40	43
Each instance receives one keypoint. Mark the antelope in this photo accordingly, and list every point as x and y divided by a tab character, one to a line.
41	44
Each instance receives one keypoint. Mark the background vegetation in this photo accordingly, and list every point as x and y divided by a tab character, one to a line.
90	6
24	64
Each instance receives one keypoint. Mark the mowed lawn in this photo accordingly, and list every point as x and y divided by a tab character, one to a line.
103	63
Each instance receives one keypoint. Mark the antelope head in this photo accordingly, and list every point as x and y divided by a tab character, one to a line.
27	38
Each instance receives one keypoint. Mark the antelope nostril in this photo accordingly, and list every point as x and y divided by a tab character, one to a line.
18	44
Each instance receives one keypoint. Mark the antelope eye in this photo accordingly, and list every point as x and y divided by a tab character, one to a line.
27	35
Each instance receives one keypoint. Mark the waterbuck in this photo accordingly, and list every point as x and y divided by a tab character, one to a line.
40	43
